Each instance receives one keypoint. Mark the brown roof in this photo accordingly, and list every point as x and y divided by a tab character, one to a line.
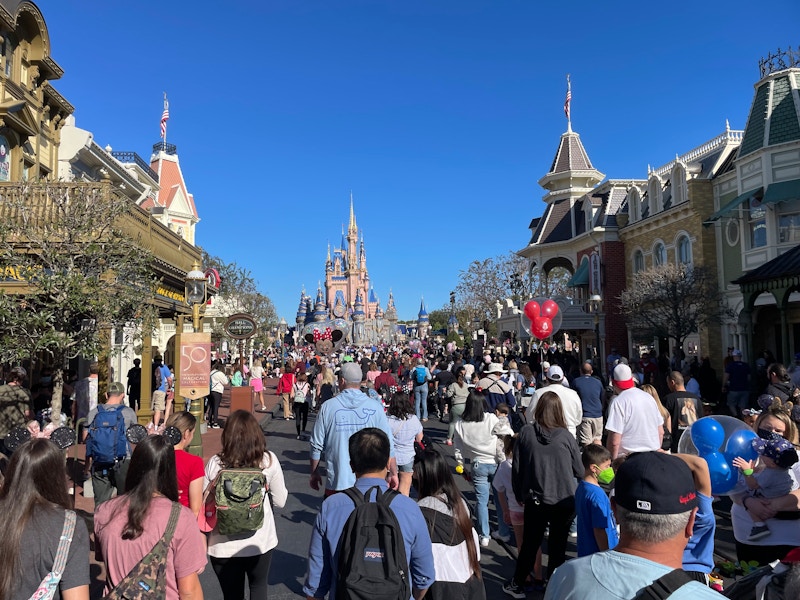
571	156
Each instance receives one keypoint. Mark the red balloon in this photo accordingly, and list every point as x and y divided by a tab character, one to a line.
542	327
549	308
532	310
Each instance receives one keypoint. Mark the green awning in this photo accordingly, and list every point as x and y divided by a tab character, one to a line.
734	204
784	190
581	276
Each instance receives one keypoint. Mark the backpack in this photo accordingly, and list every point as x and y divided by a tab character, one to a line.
371	550
299	395
106	442
239	498
148	579
419	375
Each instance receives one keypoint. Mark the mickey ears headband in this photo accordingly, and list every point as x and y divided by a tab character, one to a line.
136	433
63	437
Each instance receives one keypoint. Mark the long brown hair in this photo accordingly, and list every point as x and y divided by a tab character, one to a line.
433	478
243	442
36	478
549	414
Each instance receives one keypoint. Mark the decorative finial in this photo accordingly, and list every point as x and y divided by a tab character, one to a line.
727	125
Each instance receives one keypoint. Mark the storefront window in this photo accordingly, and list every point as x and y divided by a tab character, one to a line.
758	224
789	229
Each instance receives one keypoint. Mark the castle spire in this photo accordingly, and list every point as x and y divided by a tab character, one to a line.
328	259
352	228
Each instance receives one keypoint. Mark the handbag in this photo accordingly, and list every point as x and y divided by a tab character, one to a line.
148	579
207	517
47	588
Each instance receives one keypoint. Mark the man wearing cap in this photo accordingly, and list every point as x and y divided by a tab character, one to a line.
655	502
684	407
340	417
736	381
634	423
107	478
570	401
495	390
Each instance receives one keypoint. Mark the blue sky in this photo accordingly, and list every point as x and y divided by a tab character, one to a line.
439	115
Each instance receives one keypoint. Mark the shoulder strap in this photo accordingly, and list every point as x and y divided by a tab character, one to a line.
174	514
49	584
355	495
663	587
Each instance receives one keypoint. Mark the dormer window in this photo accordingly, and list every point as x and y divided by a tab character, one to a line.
679	189
654	195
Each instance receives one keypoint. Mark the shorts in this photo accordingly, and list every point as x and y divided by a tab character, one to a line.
590	429
406	468
256	384
159	400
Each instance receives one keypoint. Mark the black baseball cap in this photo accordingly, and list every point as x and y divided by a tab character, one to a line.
655	483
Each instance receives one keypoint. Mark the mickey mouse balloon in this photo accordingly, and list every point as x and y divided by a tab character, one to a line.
541	317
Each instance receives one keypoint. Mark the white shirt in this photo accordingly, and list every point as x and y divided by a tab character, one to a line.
476	440
570	403
633	414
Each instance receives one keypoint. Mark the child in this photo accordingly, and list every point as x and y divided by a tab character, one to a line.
502	430
770	478
597	529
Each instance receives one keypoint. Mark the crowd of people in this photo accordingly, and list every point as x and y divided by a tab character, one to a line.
558	447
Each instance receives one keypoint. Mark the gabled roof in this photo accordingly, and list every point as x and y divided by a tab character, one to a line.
170	177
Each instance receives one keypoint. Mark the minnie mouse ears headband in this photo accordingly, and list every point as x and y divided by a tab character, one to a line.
63	437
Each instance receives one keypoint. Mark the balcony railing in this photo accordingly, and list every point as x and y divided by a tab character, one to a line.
125	156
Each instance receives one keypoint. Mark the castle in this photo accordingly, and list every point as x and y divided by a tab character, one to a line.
349	295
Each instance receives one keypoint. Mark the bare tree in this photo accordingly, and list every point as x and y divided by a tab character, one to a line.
673	301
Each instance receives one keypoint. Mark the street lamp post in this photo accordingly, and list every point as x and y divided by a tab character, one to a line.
283	328
196	290
595	305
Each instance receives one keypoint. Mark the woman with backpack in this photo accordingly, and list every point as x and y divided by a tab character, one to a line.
301	398
324	385
129	529
245	553
456	556
35	508
406	429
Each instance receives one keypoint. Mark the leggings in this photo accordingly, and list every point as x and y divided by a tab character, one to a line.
537	517
231	573
213	407
300	412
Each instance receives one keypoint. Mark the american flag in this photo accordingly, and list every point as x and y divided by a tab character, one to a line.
164	118
568	99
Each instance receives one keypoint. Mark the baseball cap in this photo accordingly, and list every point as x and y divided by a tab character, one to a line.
778	449
555	373
116	388
623	378
655	483
736	352
351	372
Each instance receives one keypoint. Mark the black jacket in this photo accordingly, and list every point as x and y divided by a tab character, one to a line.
546	464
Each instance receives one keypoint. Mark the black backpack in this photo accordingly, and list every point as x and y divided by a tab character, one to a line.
372	554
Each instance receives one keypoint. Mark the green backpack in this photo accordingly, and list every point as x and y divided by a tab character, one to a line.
239	498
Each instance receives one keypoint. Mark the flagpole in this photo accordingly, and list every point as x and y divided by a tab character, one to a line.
166	107
567	108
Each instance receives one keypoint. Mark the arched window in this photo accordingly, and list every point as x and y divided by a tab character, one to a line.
678	184
634	206
9	45
638	261
654	194
659	255
684	250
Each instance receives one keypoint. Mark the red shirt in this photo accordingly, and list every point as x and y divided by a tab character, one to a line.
189	468
285	383
385	378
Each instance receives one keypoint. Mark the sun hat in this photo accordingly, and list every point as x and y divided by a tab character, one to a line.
778	449
655	483
494	368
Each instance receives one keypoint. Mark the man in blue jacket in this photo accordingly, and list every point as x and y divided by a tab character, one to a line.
369	452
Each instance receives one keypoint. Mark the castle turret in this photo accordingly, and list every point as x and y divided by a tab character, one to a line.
300	318
423	322
320	311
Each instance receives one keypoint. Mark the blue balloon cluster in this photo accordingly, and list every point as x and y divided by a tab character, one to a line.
708	436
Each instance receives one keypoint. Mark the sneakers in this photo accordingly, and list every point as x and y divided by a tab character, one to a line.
758	532
513	590
485	543
214	426
500	538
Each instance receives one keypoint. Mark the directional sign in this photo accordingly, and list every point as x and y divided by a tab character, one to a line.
240	326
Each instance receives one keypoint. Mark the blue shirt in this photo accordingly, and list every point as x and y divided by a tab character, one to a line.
165	375
339	418
590	389
593	509
614	575
323	559
699	552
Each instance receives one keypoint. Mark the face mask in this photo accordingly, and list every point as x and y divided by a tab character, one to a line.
606	476
766	434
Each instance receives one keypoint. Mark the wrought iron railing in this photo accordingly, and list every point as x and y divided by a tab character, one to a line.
125	156
779	61
165	148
